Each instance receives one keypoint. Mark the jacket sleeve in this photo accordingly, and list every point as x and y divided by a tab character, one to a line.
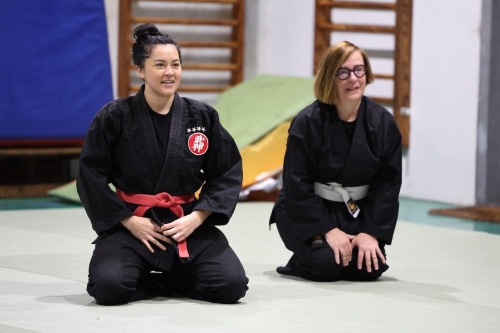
101	203
222	169
304	208
382	203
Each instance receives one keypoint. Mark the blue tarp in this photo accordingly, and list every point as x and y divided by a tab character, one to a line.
54	67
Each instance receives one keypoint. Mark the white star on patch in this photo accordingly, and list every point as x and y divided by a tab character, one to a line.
189	130
193	129
199	128
203	129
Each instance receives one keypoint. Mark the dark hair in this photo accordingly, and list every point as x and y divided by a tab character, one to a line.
147	36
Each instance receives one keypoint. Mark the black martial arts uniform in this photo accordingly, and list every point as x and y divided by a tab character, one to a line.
177	156
320	150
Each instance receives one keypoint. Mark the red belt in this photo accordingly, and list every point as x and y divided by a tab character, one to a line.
161	200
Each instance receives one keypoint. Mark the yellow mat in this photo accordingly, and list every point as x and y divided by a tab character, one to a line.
264	155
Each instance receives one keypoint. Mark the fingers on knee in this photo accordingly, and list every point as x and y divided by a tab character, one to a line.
321	267
376	274
373	275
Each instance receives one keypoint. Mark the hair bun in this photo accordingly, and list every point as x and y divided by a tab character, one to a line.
141	32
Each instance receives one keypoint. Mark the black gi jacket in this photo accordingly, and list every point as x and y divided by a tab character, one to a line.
318	150
121	148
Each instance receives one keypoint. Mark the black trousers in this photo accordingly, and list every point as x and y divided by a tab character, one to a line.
315	260
118	275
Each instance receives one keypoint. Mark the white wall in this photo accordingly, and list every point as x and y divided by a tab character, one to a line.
440	164
444	101
285	41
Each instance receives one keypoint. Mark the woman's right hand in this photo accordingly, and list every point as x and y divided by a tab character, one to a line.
146	231
340	242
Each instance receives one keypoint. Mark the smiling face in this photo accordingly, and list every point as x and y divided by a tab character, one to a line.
353	88
161	72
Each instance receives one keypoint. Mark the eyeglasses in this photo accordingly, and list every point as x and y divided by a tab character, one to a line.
344	73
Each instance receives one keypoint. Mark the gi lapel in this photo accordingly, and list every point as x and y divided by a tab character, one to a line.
147	129
169	176
360	156
341	138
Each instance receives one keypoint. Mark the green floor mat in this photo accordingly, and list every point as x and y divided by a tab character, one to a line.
253	108
66	192
37	203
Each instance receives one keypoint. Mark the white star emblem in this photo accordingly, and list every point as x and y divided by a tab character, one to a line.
203	129
193	129
199	128
189	130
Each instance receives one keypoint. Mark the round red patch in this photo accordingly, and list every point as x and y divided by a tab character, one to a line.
198	143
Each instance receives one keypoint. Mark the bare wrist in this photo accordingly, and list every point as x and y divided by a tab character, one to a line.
126	222
202	214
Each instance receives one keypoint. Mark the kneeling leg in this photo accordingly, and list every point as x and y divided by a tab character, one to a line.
114	271
216	274
353	273
316	263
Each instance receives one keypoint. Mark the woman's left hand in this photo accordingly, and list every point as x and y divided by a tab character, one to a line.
368	250
181	228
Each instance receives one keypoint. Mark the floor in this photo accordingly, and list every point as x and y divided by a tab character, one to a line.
443	277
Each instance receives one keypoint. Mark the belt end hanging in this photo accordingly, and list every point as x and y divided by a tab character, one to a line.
183	251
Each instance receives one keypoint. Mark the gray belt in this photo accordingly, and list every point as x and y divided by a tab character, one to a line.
336	192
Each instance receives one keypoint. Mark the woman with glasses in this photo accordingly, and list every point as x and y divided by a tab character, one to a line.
341	176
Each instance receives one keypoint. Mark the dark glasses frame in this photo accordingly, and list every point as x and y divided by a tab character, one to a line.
349	72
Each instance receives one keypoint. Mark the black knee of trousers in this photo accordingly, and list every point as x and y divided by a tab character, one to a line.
352	273
319	265
230	288
109	287
374	274
364	275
